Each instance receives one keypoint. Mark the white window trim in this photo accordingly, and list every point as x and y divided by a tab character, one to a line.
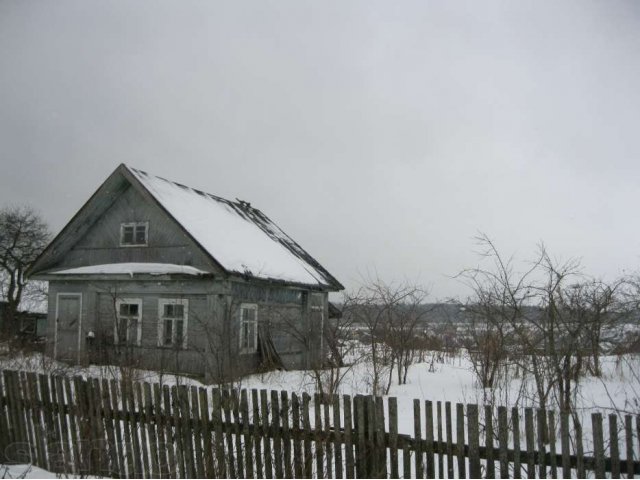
249	306
134	225
172	301
136	301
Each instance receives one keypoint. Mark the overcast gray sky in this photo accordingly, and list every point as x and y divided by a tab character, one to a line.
380	135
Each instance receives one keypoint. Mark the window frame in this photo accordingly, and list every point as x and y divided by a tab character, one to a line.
134	225
247	350
162	319
128	301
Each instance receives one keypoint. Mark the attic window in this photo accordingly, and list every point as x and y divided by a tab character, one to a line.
134	234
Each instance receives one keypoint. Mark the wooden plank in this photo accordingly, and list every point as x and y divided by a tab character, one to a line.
551	419
152	431
286	435
337	437
237	433
628	431
5	434
361	449
614	449
109	426
228	427
117	416
598	444
17	453
515	422
580	466
246	432
177	432
428	410
306	427
266	441
257	428
417	435
63	405
406	461
216	417
29	406
159	417
440	440
488	441
187	430
462	464
372	459
542	434
564	443
207	433
12	422
449	432
196	432
169	433
473	433
381	450
393	436
142	430
297	435
129	396
277	435
328	446
503	442
529	435
348	437
51	430
84	425
73	427
317	434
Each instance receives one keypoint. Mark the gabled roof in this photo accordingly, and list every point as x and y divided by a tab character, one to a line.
236	236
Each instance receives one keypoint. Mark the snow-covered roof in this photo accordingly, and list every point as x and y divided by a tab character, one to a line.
131	269
238	236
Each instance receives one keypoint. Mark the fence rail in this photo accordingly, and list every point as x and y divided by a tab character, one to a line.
121	429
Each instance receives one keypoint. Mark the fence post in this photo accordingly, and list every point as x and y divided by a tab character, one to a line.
338	438
629	440
488	429
474	440
564	442
503	442
598	444
257	428
449	431
460	440
515	422
286	436
542	434
529	433
348	436
418	438
428	410
393	435
614	451
297	436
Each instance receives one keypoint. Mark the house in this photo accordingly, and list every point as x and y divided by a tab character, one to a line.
153	274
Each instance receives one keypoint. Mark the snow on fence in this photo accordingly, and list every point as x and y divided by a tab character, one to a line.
91	426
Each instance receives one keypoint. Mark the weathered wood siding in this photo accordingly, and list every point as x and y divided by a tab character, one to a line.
167	242
212	329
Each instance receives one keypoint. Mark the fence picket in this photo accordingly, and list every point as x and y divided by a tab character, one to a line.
515	425
257	427
297	436
551	419
428	411
348	437
614	450
393	435
503	442
473	433
449	432
91	428
488	442
529	433
460	440
286	435
338	439
628	430
598	444
277	437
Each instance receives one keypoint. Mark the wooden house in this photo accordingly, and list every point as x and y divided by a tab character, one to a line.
153	274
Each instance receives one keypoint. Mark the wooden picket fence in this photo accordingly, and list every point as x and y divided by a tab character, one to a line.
120	429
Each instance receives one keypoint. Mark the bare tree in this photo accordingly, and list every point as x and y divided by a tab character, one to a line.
390	314
23	236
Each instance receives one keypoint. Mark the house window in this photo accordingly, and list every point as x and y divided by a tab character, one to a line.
248	328
128	327
172	324
134	234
